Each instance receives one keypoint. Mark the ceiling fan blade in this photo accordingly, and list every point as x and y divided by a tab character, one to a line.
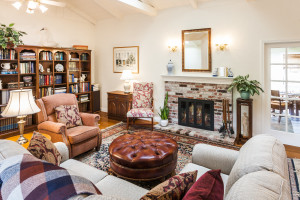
53	3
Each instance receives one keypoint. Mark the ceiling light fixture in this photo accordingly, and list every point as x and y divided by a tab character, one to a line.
31	6
17	5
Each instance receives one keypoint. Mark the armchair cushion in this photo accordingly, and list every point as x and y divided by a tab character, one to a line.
53	127
140	112
142	99
81	133
90	119
69	115
44	149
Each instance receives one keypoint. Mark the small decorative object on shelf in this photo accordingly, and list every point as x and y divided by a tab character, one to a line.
14	85
170	67
164	112
5	66
27	79
83	77
59	67
41	68
0	84
245	87
230	73
215	72
244	120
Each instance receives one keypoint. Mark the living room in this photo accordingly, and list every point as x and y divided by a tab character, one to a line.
259	38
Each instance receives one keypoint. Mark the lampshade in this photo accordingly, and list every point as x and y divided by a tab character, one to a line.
21	102
126	75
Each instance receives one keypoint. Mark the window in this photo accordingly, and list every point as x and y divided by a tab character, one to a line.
284	87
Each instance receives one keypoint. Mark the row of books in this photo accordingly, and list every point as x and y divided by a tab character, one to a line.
84	87
84	56
74	88
7	54
58	79
47	91
27	56
60	90
73	66
46	80
28	67
11	123
46	55
59	56
4	96
71	78
84	98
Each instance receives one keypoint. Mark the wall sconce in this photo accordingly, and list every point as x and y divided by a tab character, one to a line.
172	48
221	47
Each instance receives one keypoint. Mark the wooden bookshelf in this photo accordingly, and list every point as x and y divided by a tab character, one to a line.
48	58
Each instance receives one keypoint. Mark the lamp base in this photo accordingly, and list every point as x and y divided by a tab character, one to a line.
22	139
126	87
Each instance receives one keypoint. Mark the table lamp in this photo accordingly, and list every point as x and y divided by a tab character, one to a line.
126	76
21	103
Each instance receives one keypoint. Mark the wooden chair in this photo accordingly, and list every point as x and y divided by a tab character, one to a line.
142	102
279	104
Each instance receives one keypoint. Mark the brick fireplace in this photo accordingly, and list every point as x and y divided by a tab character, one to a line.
213	92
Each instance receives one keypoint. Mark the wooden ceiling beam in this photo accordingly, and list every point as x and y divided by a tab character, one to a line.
81	14
194	3
106	5
141	7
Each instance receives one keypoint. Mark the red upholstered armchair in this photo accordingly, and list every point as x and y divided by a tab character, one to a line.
142	102
79	139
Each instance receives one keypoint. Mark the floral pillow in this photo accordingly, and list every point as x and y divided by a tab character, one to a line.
68	115
42	148
174	188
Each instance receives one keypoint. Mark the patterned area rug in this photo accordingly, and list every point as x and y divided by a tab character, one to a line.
100	159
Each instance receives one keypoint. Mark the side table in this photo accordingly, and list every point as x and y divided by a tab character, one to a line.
119	104
27	136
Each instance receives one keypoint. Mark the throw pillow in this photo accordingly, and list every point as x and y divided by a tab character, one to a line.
208	186
68	115
44	149
174	188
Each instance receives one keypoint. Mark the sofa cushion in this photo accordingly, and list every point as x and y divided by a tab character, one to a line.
264	185
10	148
84	170
174	188
81	133
116	187
208	186
52	101
68	115
260	153
44	149
94	197
201	170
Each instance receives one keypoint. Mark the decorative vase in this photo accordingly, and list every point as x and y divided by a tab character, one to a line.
245	94
164	122
170	67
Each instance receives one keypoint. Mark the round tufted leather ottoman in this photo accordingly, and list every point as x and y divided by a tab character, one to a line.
143	155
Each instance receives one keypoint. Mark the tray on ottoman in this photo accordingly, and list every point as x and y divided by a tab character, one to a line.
143	156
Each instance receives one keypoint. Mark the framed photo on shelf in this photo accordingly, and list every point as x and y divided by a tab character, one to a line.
126	58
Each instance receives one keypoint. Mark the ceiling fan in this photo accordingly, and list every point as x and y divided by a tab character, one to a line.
32	5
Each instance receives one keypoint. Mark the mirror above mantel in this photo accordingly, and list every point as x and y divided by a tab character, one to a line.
196	50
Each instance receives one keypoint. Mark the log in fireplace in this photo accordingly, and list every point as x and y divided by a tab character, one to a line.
196	113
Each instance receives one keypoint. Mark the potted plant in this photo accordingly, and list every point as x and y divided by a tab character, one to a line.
164	112
10	36
245	87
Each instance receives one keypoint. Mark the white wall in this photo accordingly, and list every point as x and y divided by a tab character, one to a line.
65	26
247	23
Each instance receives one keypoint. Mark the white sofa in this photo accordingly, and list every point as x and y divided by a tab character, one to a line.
258	171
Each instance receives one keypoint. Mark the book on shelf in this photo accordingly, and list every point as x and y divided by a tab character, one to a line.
73	66
47	91
84	87
4	96
74	59
74	88
84	57
59	56
28	67
84	98
8	54
46	55
60	90
46	80
27	56
58	79
71	78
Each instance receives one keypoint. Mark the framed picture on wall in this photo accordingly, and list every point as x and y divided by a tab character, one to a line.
126	58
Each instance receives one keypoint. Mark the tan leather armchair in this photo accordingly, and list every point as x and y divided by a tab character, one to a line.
79	139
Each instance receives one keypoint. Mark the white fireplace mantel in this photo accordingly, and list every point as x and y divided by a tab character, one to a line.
197	79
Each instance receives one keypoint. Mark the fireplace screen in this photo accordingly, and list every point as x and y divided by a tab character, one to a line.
196	113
